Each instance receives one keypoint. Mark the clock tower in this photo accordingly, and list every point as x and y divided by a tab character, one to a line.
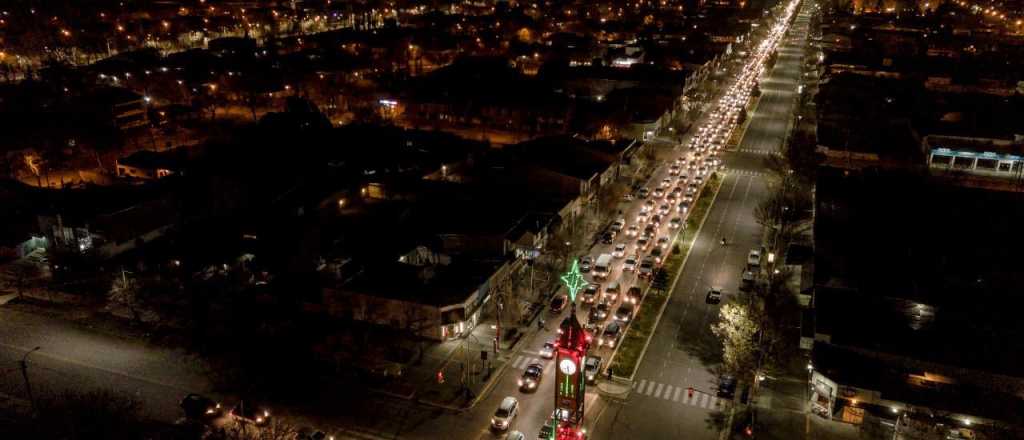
570	382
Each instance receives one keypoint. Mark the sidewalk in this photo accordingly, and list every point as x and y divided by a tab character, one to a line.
467	367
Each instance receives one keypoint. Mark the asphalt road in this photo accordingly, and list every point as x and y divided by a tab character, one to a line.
683	351
660	407
78	359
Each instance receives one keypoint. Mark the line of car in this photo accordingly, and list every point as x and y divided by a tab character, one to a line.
202	409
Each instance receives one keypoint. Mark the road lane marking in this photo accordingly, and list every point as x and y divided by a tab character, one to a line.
657	392
639	385
704	399
650	387
675	397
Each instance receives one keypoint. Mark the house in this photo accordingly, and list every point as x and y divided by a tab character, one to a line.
893	306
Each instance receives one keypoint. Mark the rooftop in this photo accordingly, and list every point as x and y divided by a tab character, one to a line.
910	267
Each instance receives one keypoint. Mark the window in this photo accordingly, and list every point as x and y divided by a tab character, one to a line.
1004	167
941	160
963	162
987	164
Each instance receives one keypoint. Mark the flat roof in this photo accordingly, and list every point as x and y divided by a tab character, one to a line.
915	268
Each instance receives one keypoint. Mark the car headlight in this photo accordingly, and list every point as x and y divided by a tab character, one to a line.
259	419
209	410
520	382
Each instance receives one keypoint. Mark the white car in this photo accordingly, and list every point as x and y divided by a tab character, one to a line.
548	350
754	258
630	264
506	412
620	250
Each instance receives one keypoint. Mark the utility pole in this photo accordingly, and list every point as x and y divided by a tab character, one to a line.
24	374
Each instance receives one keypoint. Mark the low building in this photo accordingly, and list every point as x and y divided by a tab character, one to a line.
899	305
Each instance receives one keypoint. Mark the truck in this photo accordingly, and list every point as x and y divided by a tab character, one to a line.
603	266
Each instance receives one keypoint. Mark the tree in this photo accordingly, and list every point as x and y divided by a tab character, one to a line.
737	327
275	429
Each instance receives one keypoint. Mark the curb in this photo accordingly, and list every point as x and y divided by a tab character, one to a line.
675	280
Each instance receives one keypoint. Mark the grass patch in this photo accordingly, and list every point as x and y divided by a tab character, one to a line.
628	355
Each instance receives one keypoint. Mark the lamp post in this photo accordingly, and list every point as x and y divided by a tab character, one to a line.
24	374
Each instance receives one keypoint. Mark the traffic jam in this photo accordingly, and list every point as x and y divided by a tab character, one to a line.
636	244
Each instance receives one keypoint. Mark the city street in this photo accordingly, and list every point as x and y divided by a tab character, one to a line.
680	354
78	359
683	350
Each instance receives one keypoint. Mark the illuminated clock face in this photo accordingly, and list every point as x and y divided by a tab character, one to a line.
567	366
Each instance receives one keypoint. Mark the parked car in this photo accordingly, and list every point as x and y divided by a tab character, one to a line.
727	387
197	407
558	303
632	230
664	209
608	237
506	412
586	263
531	377
659	193
515	435
618	224
590	293
591	368
683	207
547	351
610	336
675	223
642	243
250	411
754	258
714	296
747	279
624	313
307	433
643	193
642	217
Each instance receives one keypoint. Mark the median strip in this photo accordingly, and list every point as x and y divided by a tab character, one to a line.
638	334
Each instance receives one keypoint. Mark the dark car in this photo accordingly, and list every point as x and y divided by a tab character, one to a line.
558	303
590	293
714	296
248	411
197	407
307	433
608	237
727	387
585	264
531	377
599	313
610	336
591	368
624	313
634	295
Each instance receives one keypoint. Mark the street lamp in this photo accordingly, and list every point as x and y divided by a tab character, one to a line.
24	374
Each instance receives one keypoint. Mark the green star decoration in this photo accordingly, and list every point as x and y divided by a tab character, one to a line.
574	281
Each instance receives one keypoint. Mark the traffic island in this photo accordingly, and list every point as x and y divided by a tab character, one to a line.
634	344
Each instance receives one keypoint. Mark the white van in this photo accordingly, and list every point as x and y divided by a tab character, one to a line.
603	266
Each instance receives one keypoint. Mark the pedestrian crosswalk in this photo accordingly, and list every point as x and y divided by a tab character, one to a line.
753	151
520	362
739	172
677	394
